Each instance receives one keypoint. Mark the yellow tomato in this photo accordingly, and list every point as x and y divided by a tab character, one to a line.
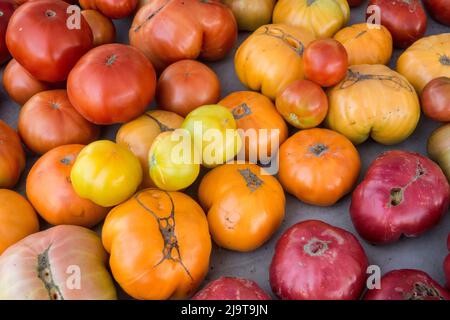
251	14
366	45
213	130
106	173
322	17
172	165
272	57
373	100
428	58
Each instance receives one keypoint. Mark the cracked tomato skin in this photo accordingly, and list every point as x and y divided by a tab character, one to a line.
229	288
43	266
408	284
403	193
167	31
447	264
317	261
159	244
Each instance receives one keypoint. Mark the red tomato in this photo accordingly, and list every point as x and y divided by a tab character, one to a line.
435	99
48	120
303	104
406	20
439	10
103	29
403	193
39	39
7	8
112	83
354	3
186	85
316	261
114	9
20	84
408	284
447	263
227	288
325	62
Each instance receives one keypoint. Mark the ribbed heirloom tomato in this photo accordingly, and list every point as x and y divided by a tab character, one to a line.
159	244
39	39
7	8
103	30
111	83
12	156
49	120
49	189
244	204
114	9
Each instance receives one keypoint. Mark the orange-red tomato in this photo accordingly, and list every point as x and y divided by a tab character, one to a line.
12	156
325	62
186	85
102	27
114	9
50	190
49	120
303	104
20	84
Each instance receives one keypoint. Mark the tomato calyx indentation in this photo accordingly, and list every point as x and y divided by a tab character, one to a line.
318	149
241	111
45	274
421	291
294	43
252	180
2	13
444	60
111	59
162	126
50	13
353	77
310	2
67	160
316	247
396	195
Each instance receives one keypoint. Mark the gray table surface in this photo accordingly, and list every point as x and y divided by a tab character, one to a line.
426	252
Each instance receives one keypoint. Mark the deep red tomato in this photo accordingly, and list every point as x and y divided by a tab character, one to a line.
102	27
439	10
228	288
49	120
186	85
405	19
12	156
20	84
39	39
114	9
325	62
435	99
408	284
314	260
447	263
354	3
7	8
403	193
112	83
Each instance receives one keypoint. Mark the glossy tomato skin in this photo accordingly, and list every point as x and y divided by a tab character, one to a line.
447	263
114	9
17	218
12	156
325	62
406	20
439	10
20	84
186	85
316	261
7	8
229	288
39	39
408	284
50	190
403	193
103	29
49	120
251	14
183	29
112	83
435	99
303	104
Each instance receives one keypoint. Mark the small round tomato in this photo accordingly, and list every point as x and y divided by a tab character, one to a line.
435	99
17	218
213	130
49	120
106	173
20	84
114	9
112	83
12	156
50	190
303	104
439	10
39	39
405	19
138	136
102	27
325	62
7	8
186	85
168	169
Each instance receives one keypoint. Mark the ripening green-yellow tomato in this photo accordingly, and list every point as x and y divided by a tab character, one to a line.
173	163
213	131
106	173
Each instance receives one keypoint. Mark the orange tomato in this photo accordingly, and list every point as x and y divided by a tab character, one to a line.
102	27
12	156
318	166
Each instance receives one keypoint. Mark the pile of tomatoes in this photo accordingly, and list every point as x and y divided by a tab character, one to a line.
319	87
